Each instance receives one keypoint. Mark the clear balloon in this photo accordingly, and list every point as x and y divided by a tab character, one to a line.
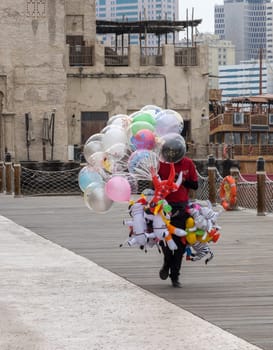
121	120
113	135
118	150
88	175
151	109
173	148
102	160
168	121
94	137
140	163
96	199
92	145
118	189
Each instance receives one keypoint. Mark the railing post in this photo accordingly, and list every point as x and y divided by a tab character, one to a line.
260	186
211	179
17	180
8	178
234	172
2	177
217	150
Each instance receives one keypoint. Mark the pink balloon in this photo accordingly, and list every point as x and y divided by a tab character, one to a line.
118	189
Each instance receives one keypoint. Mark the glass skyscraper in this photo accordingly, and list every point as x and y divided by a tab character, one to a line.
245	23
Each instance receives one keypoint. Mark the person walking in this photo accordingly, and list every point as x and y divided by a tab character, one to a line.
178	200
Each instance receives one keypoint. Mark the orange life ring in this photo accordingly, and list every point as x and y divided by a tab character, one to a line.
228	192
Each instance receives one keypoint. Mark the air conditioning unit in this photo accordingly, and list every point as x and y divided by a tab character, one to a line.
238	118
270	119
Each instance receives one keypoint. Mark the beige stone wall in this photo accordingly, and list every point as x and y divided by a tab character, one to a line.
32	58
169	86
34	63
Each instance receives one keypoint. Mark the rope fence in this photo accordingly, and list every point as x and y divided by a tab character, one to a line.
22	181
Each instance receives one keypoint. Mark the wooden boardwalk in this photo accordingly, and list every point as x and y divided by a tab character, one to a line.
234	291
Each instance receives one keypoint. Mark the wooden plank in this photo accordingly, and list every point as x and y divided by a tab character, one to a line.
234	291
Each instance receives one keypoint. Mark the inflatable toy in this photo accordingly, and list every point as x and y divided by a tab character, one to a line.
228	193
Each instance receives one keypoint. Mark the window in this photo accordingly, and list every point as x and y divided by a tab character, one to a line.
36	8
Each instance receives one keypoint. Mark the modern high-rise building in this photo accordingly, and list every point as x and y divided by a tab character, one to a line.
135	10
245	23
245	79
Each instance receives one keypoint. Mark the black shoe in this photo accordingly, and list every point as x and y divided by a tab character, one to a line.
176	284
164	273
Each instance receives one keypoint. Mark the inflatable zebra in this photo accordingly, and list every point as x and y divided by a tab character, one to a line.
200	251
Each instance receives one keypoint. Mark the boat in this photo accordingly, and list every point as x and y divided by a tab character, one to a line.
242	130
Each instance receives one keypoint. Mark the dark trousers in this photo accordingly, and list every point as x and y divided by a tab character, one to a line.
173	259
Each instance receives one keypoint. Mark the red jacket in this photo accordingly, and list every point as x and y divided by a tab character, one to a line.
187	166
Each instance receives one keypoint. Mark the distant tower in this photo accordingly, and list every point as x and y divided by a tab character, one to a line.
244	23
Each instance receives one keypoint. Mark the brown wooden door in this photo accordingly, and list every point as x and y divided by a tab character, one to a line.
92	123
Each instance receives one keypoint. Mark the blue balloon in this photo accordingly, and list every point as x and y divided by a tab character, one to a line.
86	176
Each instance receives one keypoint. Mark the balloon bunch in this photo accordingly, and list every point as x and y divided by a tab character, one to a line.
125	151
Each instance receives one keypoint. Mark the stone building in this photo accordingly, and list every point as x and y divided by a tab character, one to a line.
58	85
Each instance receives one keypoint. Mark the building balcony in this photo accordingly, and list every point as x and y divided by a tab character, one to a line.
240	121
116	56
127	56
151	56
80	55
186	56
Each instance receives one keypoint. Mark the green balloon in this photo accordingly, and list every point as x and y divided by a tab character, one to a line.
144	117
141	125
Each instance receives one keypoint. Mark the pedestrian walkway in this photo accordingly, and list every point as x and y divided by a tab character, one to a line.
52	298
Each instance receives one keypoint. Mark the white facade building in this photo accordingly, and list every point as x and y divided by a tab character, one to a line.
220	53
244	79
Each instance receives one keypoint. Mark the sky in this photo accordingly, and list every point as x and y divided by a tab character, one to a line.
203	9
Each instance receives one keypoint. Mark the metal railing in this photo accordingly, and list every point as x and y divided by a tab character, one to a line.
249	120
151	56
30	182
81	55
116	56
186	56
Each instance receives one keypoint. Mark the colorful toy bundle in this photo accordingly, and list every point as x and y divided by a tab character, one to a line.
129	149
150	224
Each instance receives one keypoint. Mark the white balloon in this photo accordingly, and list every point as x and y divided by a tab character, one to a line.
92	145
112	136
96	199
168	121
121	120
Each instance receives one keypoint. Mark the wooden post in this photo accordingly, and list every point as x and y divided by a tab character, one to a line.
260	186
211	179
234	172
17	180
1	177
8	178
217	150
